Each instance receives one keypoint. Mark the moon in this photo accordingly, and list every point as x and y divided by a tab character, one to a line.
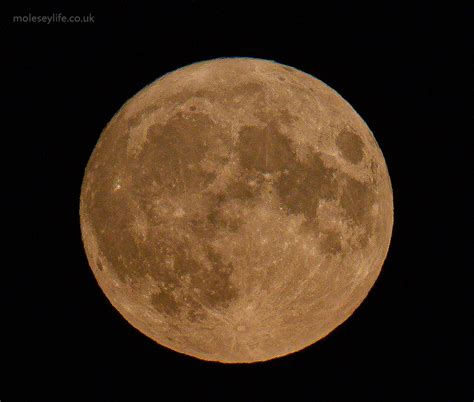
236	210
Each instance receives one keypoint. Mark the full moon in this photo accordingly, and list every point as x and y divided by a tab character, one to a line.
236	210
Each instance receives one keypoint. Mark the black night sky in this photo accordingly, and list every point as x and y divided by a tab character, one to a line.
402	66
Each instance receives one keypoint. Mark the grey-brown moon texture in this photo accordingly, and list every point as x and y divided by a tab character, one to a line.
236	210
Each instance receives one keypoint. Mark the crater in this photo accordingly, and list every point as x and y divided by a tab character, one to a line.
350	145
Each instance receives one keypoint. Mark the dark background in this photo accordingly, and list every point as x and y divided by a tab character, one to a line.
399	65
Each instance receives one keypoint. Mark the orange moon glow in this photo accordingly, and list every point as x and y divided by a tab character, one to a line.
236	210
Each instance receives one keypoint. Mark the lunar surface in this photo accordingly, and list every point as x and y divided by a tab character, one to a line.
236	210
